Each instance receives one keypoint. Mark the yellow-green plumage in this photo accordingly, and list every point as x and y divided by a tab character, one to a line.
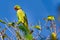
22	17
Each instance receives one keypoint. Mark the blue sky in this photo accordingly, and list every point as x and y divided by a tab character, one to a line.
35	10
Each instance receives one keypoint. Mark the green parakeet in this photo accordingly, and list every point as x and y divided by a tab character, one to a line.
22	18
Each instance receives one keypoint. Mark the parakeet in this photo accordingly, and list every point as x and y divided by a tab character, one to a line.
53	36
22	18
50	18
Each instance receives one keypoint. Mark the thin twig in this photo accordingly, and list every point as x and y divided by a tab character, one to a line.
1	36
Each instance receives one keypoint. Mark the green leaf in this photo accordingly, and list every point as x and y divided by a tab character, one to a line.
29	37
23	28
2	21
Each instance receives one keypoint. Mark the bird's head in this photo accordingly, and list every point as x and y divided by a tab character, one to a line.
17	7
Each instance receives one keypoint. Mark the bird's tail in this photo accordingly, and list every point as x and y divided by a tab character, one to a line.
27	27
